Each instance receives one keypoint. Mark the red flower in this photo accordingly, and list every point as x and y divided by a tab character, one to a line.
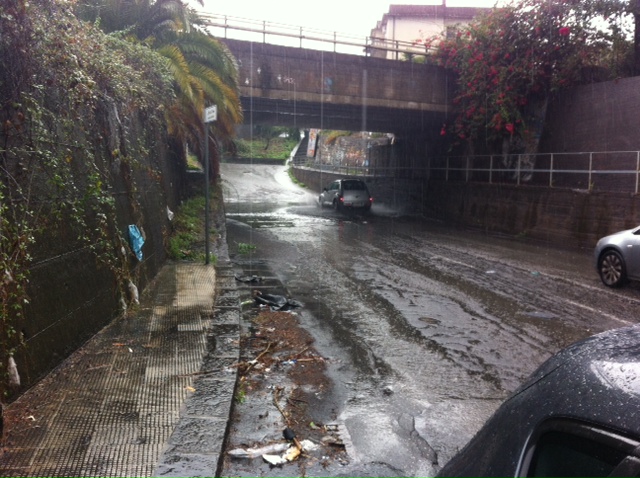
564	31
443	131
509	127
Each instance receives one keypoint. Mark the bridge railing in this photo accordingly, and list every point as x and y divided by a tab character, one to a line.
224	26
589	171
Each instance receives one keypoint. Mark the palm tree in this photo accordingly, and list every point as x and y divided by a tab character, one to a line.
204	70
205	73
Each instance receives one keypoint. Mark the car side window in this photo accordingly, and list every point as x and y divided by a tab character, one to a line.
563	447
564	454
333	186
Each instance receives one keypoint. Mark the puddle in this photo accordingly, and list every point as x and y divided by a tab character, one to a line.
540	315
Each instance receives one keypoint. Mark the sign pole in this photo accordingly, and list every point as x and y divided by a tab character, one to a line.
206	193
210	114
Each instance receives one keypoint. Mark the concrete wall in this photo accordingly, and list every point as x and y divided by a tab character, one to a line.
570	218
318	89
598	117
575	219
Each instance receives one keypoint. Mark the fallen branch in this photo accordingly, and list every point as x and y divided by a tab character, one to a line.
276	392
255	361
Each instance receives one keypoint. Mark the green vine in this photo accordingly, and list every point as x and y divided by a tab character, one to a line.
68	96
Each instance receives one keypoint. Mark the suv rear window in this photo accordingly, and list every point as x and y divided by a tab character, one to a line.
353	186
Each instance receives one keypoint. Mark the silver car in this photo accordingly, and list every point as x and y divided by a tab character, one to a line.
346	193
617	257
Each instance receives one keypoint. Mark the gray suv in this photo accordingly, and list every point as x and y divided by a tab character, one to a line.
346	194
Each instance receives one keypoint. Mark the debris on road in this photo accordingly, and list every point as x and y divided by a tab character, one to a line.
275	302
249	279
251	453
281	372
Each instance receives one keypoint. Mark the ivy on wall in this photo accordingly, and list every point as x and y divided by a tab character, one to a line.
68	96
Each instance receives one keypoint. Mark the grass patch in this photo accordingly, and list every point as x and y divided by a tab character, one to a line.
266	148
192	163
241	392
294	179
244	248
186	242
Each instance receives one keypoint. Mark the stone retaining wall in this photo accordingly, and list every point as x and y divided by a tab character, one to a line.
575	219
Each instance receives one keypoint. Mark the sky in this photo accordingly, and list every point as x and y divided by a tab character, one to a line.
351	17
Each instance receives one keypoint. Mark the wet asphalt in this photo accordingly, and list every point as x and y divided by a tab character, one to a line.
427	327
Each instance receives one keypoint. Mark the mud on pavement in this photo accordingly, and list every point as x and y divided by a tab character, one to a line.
280	425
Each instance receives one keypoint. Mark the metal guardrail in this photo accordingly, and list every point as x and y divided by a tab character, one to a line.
587	171
371	171
591	171
246	29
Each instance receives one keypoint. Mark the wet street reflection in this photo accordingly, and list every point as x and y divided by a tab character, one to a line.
428	327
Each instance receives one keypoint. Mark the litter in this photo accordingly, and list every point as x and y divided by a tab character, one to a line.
137	240
292	453
251	453
133	291
253	278
275	302
12	372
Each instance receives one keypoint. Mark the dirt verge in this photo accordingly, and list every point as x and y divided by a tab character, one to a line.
282	381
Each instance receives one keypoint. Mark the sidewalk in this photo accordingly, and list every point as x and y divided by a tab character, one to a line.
149	395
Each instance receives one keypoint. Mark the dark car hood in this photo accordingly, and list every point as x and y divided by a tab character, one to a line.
619	346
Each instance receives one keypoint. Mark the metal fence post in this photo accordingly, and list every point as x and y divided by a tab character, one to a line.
518	170
637	169
551	172
466	169
491	169
446	171
590	169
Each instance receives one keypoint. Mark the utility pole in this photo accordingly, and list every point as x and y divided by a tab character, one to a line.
210	115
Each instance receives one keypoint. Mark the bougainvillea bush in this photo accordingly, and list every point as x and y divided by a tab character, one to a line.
511	61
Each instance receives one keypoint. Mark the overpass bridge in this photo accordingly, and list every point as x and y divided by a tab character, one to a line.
314	88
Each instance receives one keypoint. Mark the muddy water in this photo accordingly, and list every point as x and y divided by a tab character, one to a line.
429	327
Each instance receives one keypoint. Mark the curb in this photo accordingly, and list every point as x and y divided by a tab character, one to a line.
196	446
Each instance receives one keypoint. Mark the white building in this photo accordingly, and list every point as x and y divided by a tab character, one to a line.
399	29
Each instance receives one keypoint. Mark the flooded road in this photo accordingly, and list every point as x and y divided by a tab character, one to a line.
427	328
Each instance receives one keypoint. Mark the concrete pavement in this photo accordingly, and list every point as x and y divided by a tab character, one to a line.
149	395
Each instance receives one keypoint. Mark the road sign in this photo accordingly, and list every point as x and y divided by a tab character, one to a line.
211	114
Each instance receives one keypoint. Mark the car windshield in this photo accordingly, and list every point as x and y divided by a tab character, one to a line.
353	186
